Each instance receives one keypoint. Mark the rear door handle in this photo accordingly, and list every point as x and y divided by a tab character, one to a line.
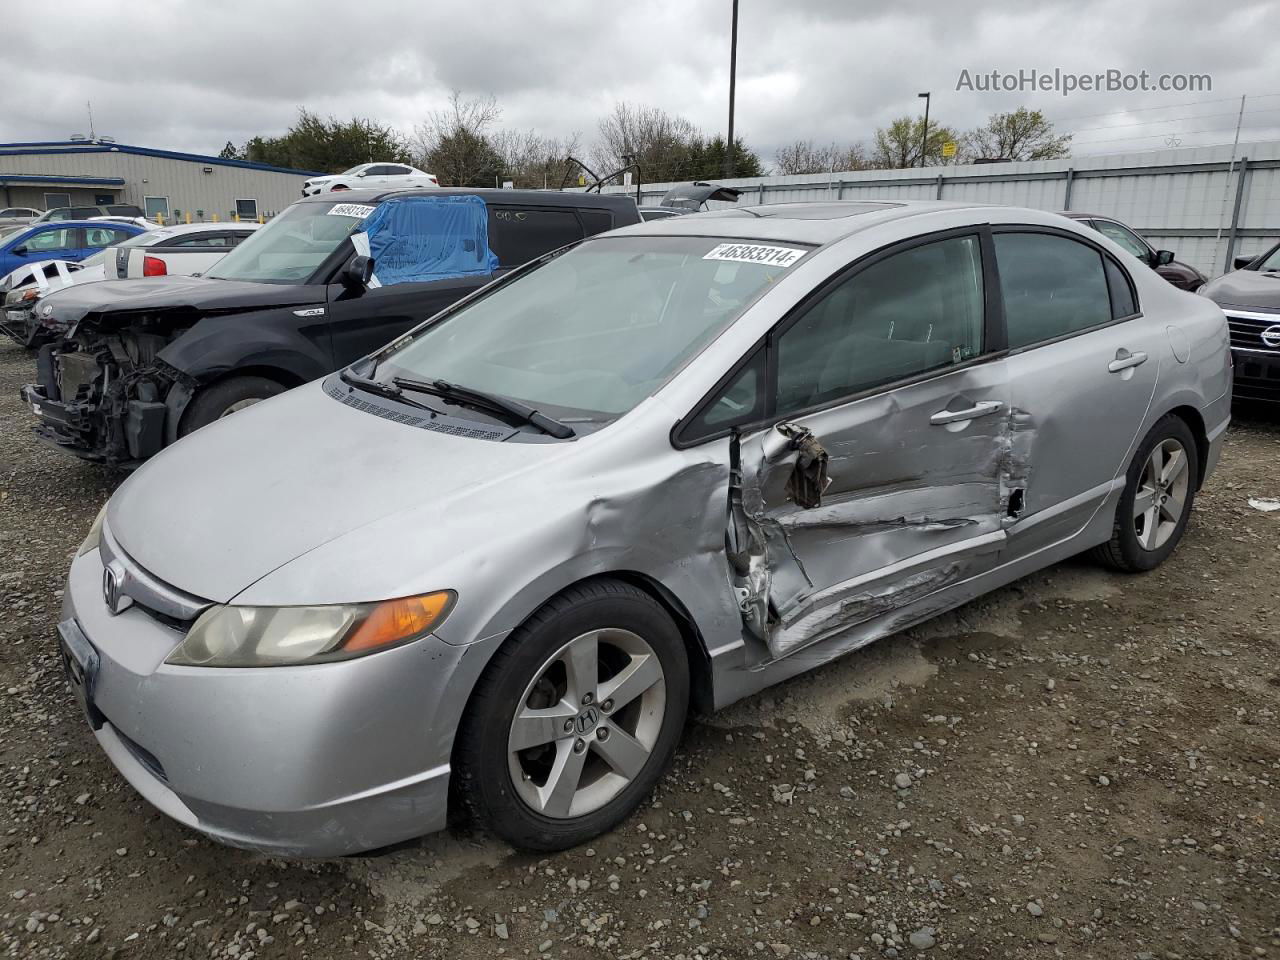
969	413
1126	361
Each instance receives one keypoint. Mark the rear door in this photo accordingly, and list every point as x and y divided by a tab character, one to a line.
1083	366
895	370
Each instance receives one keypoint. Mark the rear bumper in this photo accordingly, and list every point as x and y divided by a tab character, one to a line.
308	761
1257	375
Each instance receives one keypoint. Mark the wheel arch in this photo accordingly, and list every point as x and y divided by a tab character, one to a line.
1195	423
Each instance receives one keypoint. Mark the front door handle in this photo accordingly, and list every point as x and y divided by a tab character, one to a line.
969	413
1125	360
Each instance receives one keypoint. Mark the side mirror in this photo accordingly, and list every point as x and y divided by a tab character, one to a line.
1239	263
1164	258
21	251
363	173
357	273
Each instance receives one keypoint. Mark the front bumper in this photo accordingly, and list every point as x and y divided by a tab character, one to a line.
74	427
316	760
23	328
1257	375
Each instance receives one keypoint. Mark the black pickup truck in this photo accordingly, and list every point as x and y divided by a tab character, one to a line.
140	363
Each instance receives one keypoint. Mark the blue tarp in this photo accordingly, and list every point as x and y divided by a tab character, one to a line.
415	239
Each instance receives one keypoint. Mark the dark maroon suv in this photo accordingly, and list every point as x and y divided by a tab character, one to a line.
1181	275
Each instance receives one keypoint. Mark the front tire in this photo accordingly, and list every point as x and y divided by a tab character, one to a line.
574	719
1160	489
225	398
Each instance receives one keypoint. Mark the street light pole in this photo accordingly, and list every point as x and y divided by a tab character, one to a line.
733	76
924	137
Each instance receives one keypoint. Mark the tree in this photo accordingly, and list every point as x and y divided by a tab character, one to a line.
706	160
230	152
331	145
1018	135
453	143
803	156
666	146
898	145
531	161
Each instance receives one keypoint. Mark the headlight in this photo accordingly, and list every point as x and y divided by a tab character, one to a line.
227	636
94	535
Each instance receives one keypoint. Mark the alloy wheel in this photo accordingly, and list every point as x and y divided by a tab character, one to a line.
587	723
239	405
1162	494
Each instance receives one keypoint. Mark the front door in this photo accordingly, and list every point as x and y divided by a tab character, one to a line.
364	320
1083	367
894	374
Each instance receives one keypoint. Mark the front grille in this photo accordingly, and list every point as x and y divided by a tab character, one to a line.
1246	332
335	388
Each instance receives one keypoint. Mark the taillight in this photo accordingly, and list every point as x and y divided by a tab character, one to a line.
435	181
154	267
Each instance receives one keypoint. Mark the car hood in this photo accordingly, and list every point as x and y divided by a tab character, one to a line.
235	500
202	295
1247	289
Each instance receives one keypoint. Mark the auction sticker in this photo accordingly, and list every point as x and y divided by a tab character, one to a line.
755	253
358	210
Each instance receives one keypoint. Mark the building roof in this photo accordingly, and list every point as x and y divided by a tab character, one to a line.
542	198
34	147
15	179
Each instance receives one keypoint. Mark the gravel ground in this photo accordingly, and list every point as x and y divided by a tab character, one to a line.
1079	765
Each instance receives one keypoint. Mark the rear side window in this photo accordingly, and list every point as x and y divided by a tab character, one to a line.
218	241
1053	286
520	234
1123	302
124	210
914	311
596	221
98	237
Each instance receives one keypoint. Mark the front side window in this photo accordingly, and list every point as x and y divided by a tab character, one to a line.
292	246
591	333
912	312
1053	286
521	234
50	240
203	240
1125	237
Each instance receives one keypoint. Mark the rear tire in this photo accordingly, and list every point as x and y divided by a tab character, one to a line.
1159	492
225	398
583	770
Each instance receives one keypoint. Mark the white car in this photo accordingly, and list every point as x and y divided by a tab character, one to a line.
384	175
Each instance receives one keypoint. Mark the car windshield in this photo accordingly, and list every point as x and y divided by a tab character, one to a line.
1272	261
352	172
591	333
291	247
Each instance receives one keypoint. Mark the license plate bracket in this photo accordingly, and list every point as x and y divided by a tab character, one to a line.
80	662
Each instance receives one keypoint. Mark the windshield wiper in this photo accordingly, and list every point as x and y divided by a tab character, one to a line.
381	389
493	402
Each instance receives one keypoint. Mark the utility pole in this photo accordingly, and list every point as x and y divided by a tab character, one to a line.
733	77
924	136
1226	189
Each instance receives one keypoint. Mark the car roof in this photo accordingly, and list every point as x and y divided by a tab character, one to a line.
205	226
1081	215
817	222
101	224
533	198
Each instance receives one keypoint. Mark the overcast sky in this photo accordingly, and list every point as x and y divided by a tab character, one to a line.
192	75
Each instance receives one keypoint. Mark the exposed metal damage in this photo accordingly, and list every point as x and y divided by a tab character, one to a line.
107	391
894	538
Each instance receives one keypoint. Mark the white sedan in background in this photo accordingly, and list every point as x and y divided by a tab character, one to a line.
386	175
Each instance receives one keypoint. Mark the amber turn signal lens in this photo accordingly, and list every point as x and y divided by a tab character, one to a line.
394	620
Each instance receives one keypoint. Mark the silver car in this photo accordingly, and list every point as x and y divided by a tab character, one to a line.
492	566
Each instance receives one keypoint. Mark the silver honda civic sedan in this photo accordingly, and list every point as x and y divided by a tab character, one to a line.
491	568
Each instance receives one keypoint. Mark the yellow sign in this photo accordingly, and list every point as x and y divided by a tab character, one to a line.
582	180
949	148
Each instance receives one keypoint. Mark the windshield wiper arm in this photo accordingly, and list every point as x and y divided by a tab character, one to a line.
381	389
493	402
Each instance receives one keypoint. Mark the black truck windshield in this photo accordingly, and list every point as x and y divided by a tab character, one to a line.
291	247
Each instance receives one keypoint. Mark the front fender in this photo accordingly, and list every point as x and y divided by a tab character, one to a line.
222	344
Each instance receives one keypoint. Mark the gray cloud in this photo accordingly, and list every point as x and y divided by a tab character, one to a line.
192	75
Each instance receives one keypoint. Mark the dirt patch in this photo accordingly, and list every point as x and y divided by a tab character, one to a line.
1079	765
